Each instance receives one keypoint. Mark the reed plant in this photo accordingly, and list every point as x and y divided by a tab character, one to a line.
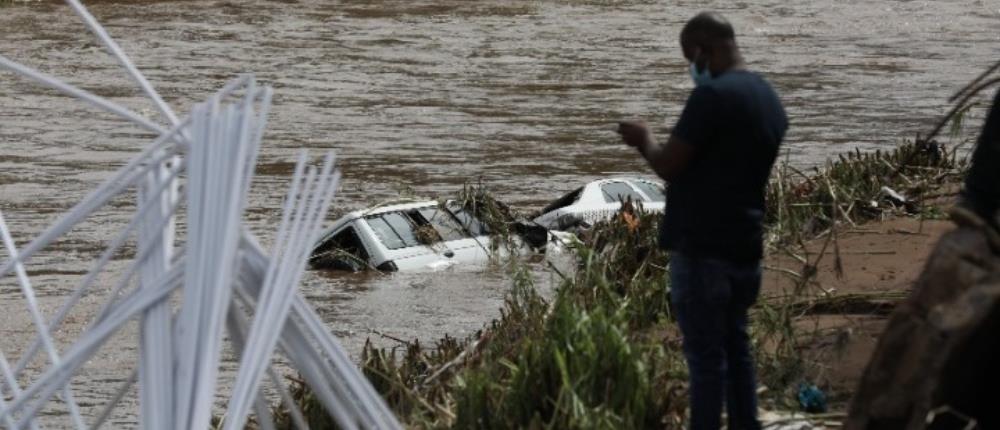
856	187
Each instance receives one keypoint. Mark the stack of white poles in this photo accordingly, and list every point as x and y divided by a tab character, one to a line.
217	276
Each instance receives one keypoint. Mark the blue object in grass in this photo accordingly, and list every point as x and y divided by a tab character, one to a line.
811	398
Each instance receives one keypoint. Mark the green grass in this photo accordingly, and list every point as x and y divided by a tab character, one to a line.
603	351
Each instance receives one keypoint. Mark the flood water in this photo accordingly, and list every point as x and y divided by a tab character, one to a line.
418	98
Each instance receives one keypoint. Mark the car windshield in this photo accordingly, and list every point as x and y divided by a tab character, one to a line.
655	192
467	220
615	192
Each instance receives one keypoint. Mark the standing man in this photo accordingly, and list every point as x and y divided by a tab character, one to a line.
716	163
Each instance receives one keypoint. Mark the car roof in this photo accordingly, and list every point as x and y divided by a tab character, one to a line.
599	182
393	206
621	179
397	206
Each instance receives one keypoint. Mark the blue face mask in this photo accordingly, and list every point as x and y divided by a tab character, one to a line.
700	78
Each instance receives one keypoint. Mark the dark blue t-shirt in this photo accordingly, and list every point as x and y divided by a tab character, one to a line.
715	208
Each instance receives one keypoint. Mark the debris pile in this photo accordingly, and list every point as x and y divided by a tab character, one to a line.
860	187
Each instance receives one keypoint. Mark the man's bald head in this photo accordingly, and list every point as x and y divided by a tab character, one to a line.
707	32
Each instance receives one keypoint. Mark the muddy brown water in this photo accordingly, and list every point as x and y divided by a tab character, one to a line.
421	97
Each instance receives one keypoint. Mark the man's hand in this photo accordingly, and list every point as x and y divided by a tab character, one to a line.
634	133
667	161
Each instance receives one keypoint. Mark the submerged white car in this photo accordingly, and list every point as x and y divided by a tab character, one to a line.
600	200
412	236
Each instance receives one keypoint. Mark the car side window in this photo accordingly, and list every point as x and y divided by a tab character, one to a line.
393	229
615	192
443	223
467	220
655	192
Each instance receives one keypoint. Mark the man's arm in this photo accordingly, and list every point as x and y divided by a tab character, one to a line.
668	161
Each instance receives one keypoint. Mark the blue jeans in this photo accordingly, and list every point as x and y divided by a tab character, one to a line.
710	300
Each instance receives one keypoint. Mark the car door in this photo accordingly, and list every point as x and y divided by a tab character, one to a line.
459	241
404	234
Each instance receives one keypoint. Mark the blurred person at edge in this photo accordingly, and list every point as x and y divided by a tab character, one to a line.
981	191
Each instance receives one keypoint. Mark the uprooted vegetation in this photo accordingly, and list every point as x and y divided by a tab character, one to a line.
499	220
508	228
859	187
603	351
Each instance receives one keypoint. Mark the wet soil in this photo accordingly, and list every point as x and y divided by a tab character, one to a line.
881	260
